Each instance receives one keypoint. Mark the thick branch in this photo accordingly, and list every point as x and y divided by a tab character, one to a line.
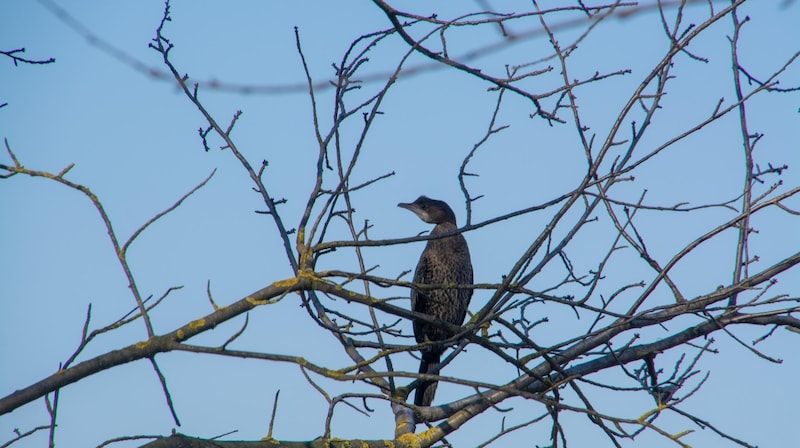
143	349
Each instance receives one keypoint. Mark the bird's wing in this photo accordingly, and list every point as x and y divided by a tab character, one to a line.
419	278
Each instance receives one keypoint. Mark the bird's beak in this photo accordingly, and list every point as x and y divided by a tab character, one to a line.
414	208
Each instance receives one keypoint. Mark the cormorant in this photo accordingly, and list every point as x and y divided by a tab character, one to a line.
444	261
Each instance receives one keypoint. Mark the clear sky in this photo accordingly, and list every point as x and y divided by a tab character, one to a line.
133	139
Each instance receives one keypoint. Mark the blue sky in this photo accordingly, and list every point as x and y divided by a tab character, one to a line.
133	140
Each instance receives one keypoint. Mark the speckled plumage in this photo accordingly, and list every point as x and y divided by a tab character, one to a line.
444	261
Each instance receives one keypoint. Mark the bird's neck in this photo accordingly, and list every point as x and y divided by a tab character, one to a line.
443	227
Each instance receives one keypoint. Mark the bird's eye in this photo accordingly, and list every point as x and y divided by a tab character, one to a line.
423	206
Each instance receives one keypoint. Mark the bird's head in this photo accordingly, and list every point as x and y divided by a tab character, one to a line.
431	210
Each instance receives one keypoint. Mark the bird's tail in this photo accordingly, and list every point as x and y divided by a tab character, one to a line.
427	389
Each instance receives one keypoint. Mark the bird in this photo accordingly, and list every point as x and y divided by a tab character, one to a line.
444	261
